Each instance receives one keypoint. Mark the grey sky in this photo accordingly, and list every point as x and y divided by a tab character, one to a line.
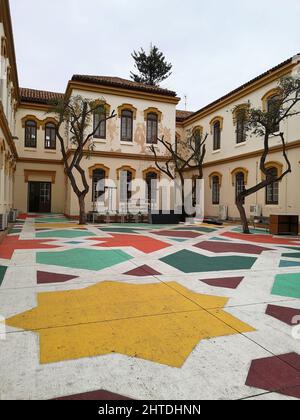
214	45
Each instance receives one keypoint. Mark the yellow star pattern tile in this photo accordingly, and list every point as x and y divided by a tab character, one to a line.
158	322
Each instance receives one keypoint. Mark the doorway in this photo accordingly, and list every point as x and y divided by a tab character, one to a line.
39	197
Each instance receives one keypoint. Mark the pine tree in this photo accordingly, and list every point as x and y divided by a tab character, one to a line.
153	67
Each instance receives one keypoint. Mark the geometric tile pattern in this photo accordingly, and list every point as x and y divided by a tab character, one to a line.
264	239
291	255
227	283
287	263
172	328
283	313
140	316
45	278
93	396
12	243
280	374
178	233
190	262
142	243
64	234
2	273
82	258
221	247
142	271
287	285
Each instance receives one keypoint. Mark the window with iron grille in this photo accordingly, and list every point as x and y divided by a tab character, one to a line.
217	135
239	185
126	125
273	106
272	190
98	189
30	133
152	128
216	190
151	179
99	124
50	136
241	126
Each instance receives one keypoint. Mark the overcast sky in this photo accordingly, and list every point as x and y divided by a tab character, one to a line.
214	45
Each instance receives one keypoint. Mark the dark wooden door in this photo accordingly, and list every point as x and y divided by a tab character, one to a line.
39	197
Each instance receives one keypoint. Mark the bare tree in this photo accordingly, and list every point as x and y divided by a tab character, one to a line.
266	124
182	156
75	121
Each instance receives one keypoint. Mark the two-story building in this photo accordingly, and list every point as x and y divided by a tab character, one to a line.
32	176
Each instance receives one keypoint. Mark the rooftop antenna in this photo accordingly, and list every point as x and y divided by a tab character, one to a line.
185	102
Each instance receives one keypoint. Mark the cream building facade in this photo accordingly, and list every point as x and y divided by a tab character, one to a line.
32	177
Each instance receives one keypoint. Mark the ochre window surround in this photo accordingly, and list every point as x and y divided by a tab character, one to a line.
269	95
276	165
49	120
38	122
128	107
101	103
212	175
91	169
239	108
197	128
127	169
238	170
215	120
151	170
153	110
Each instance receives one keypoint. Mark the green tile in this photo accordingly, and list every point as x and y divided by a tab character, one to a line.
287	285
286	263
291	255
51	220
293	248
64	234
121	230
197	229
191	262
2	273
81	258
219	238
257	231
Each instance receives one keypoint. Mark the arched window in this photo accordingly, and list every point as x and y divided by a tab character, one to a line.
30	133
50	136
216	190
151	179
100	123
241	126
152	128
239	184
273	107
98	184
126	125
217	135
272	191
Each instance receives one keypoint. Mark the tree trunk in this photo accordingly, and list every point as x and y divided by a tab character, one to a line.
82	214
243	216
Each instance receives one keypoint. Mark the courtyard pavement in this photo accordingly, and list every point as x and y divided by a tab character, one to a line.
148	312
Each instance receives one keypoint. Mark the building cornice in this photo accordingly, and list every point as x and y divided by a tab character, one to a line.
72	85
239	93
120	155
256	153
38	160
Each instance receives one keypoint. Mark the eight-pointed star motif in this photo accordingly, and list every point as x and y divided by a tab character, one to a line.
158	322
